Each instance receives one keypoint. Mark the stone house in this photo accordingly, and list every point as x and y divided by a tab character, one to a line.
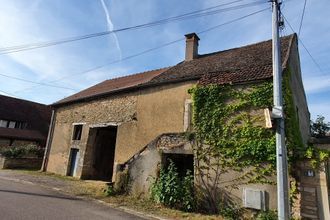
136	122
23	122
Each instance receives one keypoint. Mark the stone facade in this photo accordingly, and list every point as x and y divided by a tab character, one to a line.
140	116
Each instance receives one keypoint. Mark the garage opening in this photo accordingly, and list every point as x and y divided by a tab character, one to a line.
183	162
102	153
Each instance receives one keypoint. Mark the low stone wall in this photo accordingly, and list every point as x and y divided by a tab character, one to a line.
145	165
20	163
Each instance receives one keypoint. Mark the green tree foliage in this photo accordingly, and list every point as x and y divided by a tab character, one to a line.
172	191
319	128
22	151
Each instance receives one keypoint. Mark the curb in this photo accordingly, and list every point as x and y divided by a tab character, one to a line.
120	208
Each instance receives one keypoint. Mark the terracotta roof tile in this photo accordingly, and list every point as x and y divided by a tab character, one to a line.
243	64
112	85
238	61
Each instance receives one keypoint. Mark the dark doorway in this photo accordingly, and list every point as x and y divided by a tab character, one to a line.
73	161
183	162
104	154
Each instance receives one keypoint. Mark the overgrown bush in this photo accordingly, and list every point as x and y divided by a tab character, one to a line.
22	151
267	215
231	213
172	191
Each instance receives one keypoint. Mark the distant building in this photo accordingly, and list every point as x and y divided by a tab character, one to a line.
23	122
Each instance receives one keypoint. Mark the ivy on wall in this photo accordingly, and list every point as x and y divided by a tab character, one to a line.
228	121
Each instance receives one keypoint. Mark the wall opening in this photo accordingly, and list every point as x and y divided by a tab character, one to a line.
73	162
183	162
100	153
77	130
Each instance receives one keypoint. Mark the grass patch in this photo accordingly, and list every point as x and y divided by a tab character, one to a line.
96	190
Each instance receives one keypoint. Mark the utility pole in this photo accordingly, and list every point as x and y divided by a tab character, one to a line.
277	113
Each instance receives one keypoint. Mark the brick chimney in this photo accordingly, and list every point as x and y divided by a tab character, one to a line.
191	46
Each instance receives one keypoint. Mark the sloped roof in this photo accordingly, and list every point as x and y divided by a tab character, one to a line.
243	64
248	63
37	116
113	85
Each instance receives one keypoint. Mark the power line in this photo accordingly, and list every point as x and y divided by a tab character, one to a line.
7	93
190	15
302	18
39	83
152	49
304	46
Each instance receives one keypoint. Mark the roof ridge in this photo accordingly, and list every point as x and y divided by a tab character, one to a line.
140	73
240	47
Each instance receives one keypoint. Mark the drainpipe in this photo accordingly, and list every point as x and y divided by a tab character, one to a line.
48	143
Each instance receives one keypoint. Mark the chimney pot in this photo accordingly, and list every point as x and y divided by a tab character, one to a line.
191	46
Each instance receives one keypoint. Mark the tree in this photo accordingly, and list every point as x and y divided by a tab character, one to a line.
319	128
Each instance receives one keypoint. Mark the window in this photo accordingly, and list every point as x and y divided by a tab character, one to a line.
77	129
3	123
20	125
11	124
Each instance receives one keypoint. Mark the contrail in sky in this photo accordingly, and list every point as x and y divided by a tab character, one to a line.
110	26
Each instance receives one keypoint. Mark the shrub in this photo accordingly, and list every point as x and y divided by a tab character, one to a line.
267	215
172	191
231	213
22	151
109	191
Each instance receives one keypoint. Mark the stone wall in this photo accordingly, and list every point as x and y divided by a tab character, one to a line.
312	192
140	116
144	166
20	163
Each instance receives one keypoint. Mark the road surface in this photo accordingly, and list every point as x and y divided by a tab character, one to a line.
31	202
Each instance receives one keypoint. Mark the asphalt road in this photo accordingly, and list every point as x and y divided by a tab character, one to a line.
30	202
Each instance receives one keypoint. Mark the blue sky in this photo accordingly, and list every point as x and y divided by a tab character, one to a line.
23	22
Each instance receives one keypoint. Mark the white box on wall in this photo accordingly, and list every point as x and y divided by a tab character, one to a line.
254	199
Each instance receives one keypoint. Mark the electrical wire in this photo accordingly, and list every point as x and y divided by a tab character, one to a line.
304	46
7	93
190	15
302	18
13	49
152	49
39	83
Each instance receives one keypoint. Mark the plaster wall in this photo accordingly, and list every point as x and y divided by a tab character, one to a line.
299	96
141	116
